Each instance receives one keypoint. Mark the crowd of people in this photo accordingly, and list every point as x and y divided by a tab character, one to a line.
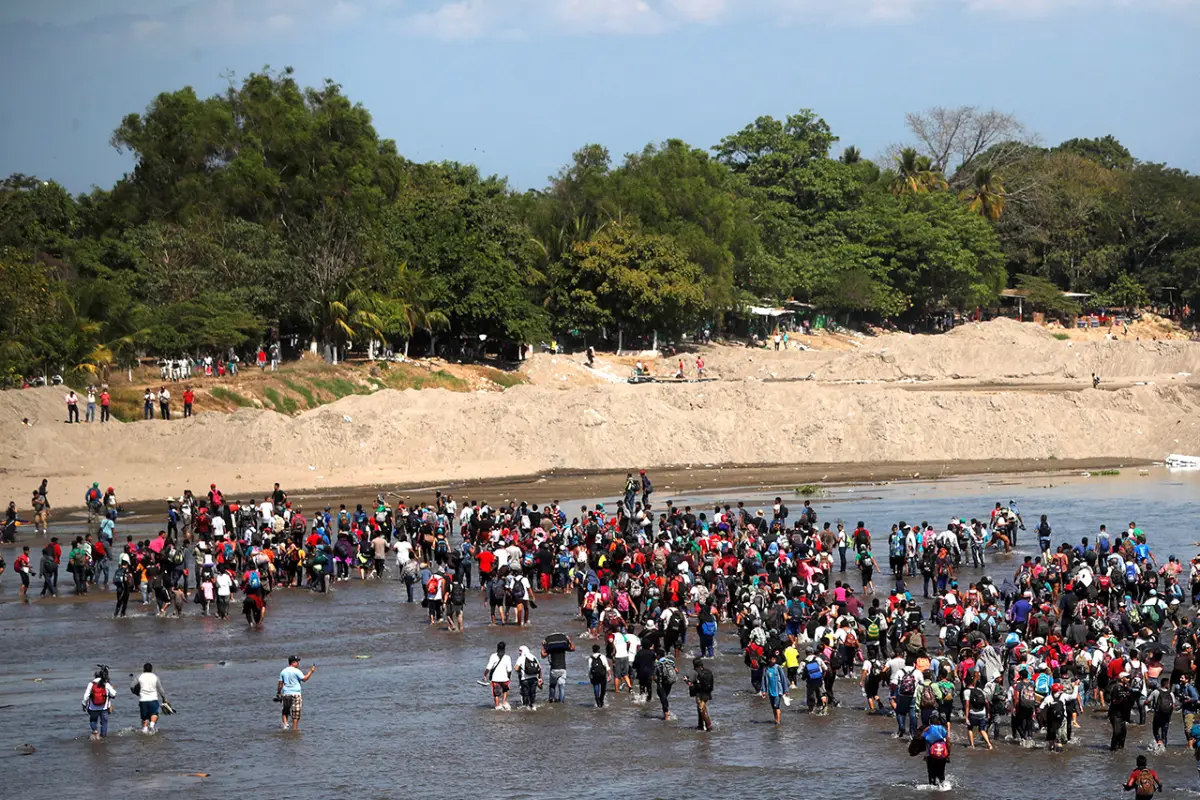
1092	623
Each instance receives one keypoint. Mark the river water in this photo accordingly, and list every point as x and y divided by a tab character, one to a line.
410	717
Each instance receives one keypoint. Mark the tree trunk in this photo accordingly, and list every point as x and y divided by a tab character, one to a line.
313	347
406	348
654	347
620	340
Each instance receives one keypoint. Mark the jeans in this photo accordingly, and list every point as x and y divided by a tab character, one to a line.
98	720
47	584
977	559
100	572
906	717
600	690
558	686
80	581
664	697
148	411
91	412
842	556
706	645
1161	724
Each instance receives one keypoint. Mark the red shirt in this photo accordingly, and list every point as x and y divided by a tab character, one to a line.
189	396
487	560
104	398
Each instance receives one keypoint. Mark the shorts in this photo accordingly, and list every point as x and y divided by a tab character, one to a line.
25	579
292	705
453	610
499	688
776	701
621	667
977	720
148	709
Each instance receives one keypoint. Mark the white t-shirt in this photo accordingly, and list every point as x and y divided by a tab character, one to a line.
266	510
620	646
224	584
149	687
498	668
634	644
403	552
218	523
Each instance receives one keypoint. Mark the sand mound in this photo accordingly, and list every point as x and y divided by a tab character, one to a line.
1005	349
392	437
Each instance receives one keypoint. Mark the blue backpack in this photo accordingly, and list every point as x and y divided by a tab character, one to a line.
255	580
708	628
813	670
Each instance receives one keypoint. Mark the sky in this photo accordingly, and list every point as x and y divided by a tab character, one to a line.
516	86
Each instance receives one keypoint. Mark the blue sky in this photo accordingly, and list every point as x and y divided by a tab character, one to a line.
516	86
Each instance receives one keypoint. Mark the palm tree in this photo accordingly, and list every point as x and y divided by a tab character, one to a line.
985	196
851	155
915	174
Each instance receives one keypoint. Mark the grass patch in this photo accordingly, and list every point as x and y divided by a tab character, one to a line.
1106	472
1062	337
337	388
809	490
301	390
505	379
402	376
281	403
230	396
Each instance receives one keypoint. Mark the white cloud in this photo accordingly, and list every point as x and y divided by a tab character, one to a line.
698	10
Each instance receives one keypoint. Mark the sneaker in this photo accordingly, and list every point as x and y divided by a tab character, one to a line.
283	727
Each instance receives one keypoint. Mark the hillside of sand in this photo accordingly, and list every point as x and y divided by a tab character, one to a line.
1007	350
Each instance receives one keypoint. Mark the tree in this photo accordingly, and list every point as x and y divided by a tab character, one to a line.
1124	292
1107	152
915	174
958	141
631	281
986	196
1043	295
851	155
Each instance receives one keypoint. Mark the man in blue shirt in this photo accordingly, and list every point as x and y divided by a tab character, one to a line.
775	681
289	690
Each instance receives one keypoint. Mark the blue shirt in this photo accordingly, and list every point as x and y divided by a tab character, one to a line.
292	679
775	680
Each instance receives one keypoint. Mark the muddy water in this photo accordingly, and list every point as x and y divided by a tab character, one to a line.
410	718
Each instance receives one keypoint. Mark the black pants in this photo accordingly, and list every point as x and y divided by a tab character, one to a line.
164	410
1120	724
935	768
187	410
599	690
644	686
104	413
664	697
72	413
122	601
529	692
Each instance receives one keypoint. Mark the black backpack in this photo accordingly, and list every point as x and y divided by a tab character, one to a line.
596	670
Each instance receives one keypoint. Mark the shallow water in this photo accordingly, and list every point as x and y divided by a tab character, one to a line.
412	719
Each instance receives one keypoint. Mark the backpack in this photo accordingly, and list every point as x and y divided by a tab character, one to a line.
635	589
255	580
431	586
1056	712
851	640
1166	701
872	631
1027	697
939	751
665	674
813	671
908	684
978	701
1143	784
596	669
1136	684
458	594
441	547
928	696
496	592
99	694
708	628
517	592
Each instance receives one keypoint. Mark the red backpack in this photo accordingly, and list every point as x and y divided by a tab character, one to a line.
99	694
